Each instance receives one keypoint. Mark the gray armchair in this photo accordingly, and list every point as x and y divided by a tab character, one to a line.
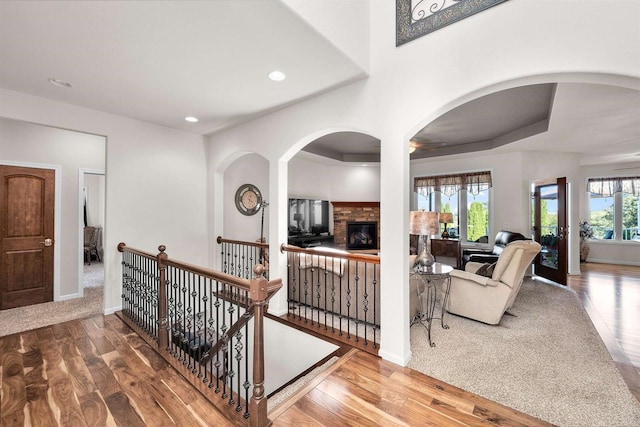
485	298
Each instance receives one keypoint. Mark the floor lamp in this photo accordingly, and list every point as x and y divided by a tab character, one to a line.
423	223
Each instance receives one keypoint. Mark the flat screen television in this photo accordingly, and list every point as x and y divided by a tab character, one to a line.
308	216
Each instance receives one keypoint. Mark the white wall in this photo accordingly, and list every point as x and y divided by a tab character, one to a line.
155	182
514	44
248	169
33	144
95	199
344	182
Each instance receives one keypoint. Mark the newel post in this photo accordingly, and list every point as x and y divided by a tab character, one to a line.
163	339
258	404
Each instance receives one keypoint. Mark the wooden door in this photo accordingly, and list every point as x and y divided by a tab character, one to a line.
26	236
550	229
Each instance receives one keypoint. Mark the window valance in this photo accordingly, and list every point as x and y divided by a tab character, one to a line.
607	187
473	182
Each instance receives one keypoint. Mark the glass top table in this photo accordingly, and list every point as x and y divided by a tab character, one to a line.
426	287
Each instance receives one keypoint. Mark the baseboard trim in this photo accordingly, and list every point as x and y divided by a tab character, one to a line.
615	262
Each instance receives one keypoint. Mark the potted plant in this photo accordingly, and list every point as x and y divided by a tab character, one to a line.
586	232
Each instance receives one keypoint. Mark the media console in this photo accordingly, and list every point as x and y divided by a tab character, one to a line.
311	240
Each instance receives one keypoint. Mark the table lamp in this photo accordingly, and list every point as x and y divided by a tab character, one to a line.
423	223
446	218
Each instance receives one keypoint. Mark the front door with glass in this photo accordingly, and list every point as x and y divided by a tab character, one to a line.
550	229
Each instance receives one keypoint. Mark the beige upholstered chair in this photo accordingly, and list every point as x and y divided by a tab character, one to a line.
487	298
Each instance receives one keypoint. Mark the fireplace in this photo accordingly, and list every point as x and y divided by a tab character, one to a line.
362	235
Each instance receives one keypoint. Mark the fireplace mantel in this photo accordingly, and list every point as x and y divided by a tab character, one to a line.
356	204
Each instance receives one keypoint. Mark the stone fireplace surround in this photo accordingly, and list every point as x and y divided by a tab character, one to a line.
344	212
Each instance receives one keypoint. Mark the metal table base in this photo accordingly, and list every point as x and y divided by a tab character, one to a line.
427	292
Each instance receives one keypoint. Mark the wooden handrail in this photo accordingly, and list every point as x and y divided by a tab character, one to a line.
242	242
122	246
244	284
373	259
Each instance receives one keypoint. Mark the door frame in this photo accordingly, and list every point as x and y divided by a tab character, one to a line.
566	268
81	173
57	216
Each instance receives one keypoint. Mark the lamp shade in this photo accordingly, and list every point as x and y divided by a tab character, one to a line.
446	217
423	223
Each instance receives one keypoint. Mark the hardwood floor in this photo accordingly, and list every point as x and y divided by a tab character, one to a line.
364	390
97	371
611	296
94	372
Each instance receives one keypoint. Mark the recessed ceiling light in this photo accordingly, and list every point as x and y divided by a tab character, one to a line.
60	83
191	119
277	76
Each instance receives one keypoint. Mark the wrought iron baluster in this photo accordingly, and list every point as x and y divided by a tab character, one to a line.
357	298
246	384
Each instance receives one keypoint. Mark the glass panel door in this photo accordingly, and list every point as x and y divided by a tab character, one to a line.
550	229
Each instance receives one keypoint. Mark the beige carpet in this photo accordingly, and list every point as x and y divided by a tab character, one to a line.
93	275
36	316
547	361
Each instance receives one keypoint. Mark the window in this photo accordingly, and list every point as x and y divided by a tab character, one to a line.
477	216
465	195
613	207
601	216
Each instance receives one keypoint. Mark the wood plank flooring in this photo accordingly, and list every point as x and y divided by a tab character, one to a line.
94	372
611	296
97	371
364	390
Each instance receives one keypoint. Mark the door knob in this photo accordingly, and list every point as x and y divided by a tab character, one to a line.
47	242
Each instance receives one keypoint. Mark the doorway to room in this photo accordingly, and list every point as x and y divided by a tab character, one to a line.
550	228
92	208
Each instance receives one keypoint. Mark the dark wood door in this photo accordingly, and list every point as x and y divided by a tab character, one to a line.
550	229
26	236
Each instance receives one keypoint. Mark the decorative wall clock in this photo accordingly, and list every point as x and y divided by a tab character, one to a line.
248	199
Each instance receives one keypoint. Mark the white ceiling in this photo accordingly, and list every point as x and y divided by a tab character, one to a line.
160	61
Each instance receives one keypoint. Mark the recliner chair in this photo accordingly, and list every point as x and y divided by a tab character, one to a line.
484	298
503	238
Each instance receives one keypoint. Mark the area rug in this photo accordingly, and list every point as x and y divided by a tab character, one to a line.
36	316
546	360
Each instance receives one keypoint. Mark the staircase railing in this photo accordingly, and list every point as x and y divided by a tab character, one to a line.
335	293
198	320
239	257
